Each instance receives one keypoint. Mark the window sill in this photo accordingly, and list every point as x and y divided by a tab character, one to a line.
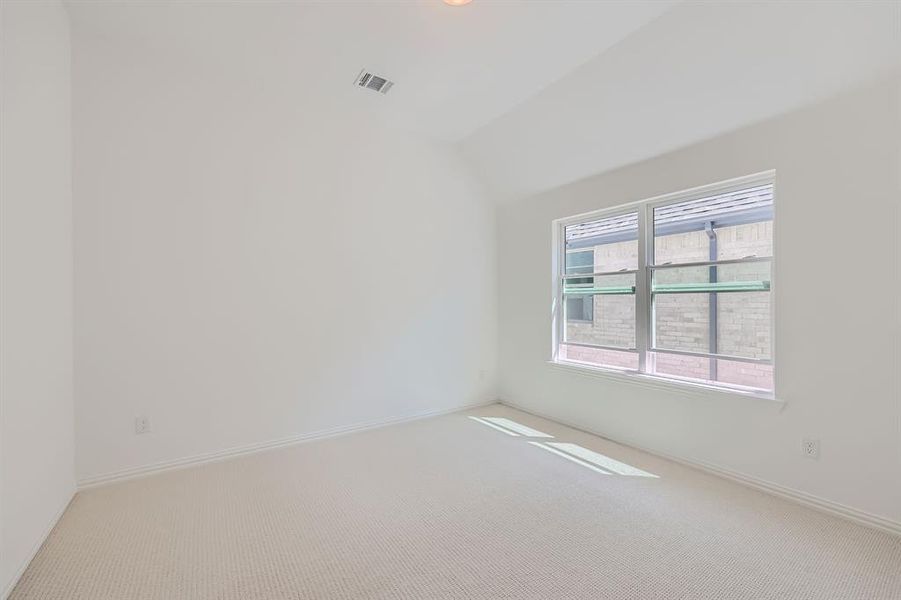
685	388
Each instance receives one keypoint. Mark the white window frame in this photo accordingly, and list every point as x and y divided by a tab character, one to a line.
643	304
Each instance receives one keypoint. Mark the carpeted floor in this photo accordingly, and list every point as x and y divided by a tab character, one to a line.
453	507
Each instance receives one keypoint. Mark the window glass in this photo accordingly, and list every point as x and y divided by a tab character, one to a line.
612	301
727	324
617	359
705	292
731	225
580	309
580	261
613	241
758	376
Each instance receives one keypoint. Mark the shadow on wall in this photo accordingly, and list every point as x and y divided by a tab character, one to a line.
584	457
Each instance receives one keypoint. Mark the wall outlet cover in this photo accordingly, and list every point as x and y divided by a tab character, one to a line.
142	425
810	448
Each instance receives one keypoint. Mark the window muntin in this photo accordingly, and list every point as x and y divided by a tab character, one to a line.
701	305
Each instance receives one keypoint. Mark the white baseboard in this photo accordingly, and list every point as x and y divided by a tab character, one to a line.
207	457
37	546
828	506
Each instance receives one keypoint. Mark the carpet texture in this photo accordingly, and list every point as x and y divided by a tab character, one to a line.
453	507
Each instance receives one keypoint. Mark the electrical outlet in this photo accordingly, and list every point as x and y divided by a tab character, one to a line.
142	425
810	448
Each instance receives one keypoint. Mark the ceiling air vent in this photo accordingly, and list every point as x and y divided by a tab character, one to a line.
373	82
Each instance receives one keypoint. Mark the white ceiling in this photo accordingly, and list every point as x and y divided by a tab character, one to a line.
456	68
699	71
538	93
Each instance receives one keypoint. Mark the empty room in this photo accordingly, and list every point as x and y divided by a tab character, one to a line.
450	299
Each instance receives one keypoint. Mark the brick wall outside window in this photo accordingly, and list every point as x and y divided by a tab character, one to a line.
683	319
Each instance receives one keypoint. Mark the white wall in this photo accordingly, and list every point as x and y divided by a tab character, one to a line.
838	169
251	266
36	438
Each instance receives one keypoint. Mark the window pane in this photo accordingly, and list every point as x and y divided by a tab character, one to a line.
745	374
602	313
600	357
682	322
743	325
580	309
612	322
740	323
718	227
721	309
613	240
740	241
579	261
696	368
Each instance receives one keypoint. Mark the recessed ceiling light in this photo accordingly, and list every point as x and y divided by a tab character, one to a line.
457	2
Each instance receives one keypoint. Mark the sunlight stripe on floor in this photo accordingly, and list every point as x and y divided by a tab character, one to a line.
600	460
570	458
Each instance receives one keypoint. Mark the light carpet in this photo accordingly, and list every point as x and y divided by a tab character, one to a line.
453	507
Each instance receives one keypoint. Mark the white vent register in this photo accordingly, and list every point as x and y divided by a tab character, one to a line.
373	82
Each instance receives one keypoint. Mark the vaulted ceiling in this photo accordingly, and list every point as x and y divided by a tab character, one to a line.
700	70
536	93
456	68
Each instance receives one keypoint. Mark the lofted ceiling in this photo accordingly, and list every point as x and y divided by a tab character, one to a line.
537	93
456	68
701	70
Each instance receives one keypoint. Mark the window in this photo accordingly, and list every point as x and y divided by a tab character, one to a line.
678	287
